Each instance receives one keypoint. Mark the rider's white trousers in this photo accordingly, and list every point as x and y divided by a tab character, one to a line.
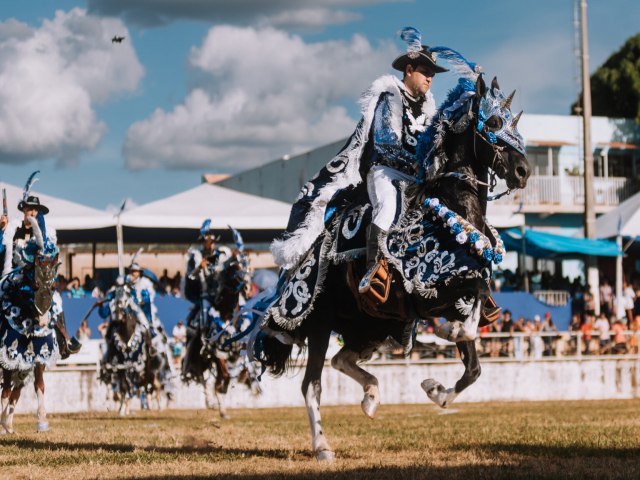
384	194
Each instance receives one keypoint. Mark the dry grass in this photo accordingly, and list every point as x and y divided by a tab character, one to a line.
577	440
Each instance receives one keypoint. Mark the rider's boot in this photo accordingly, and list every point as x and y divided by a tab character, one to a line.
373	234
67	346
490	312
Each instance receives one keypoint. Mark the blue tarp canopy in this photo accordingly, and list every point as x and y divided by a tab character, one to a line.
548	245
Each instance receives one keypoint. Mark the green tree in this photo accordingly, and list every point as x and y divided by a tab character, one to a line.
615	86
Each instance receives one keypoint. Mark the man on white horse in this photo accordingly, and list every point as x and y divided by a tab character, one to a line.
14	236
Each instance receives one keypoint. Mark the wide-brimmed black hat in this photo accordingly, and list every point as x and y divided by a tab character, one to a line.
34	202
423	57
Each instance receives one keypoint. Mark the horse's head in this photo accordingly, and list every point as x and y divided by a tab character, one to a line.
498	143
43	256
474	129
122	311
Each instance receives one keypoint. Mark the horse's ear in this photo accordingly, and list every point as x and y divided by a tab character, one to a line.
481	87
494	84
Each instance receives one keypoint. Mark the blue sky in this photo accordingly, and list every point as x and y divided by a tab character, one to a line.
218	86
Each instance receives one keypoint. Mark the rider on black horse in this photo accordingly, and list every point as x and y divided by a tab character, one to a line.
13	238
381	151
202	279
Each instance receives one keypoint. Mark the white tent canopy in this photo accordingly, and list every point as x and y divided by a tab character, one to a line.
624	220
222	205
63	214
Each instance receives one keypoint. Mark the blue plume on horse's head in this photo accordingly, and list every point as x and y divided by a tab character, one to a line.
237	238
461	66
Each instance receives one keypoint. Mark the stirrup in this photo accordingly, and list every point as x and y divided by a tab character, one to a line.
376	283
365	284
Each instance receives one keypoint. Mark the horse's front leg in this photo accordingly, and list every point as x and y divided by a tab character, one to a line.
442	396
345	361
462	331
11	389
38	384
312	389
6	393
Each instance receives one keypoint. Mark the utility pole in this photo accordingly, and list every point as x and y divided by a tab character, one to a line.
593	279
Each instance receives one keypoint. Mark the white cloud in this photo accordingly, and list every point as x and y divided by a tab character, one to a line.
266	93
52	77
292	13
311	18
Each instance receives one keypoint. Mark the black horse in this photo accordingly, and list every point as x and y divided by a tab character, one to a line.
129	365
439	252
207	355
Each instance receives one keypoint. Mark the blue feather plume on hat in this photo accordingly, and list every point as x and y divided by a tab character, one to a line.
27	188
413	38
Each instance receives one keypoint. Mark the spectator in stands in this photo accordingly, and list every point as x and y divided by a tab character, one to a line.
165	282
176	283
179	334
535	342
633	340
61	284
84	332
574	328
586	328
628	300
88	283
74	289
507	327
536	280
636	303
549	339
518	328
606	298
619	338
589	301
603	326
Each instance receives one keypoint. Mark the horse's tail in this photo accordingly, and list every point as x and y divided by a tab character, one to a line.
276	356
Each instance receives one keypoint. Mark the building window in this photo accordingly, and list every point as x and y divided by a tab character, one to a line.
543	160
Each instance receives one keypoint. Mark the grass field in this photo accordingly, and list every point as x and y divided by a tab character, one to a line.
595	439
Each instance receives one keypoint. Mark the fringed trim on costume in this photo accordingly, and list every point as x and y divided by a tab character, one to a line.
291	323
22	364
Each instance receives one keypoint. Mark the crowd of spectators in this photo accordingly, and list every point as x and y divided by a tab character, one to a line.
95	288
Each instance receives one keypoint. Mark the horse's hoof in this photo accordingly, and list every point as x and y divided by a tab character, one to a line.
325	456
225	416
434	391
3	431
42	427
369	406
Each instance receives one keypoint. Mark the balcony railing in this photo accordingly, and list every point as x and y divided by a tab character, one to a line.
569	191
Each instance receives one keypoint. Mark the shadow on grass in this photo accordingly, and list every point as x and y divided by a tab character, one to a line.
30	444
484	472
551	451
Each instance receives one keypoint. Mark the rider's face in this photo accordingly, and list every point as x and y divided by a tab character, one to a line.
29	212
418	80
209	243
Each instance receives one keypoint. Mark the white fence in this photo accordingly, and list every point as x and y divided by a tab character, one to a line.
566	372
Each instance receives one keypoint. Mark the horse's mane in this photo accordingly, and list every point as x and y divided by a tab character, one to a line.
430	141
428	152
